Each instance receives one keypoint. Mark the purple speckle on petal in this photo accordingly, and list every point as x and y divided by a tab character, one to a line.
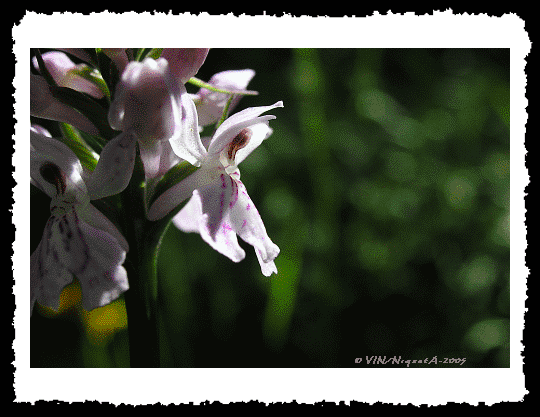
234	194
221	202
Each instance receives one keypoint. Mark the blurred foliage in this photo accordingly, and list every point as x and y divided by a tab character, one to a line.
386	186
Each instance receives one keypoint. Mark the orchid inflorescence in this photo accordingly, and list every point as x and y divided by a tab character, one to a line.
147	139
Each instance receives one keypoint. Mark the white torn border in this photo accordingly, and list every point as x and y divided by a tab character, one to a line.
396	386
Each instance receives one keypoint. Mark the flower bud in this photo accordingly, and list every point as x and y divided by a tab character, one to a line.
145	101
184	63
63	70
211	103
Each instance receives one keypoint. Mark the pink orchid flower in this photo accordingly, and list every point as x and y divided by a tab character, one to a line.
219	208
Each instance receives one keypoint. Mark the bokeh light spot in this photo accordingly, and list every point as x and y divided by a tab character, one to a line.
487	334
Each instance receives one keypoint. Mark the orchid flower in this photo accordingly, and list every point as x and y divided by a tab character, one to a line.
211	104
64	72
78	239
220	208
150	107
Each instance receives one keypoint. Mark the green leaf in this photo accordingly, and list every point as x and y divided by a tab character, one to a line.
93	75
71	137
142	53
87	107
95	142
138	53
154	53
108	71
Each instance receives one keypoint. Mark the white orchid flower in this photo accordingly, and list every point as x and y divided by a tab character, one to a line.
219	207
78	239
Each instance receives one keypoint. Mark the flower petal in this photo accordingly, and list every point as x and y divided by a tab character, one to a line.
157	157
40	130
213	103
178	193
45	150
221	211
268	267
57	63
186	142
184	62
71	246
60	66
238	121
114	168
151	157
104	279
78	52
247	223
48	276
145	98
62	252
95	218
258	133
117	109
221	237
43	104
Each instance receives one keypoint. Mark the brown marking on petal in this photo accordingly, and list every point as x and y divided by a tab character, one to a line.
54	175
239	141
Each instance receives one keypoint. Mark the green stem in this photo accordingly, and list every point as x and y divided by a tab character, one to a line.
142	297
141	265
142	320
142	302
225	111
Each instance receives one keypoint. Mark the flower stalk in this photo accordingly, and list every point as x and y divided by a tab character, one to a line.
199	83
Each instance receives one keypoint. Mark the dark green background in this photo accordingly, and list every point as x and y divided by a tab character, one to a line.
386	186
